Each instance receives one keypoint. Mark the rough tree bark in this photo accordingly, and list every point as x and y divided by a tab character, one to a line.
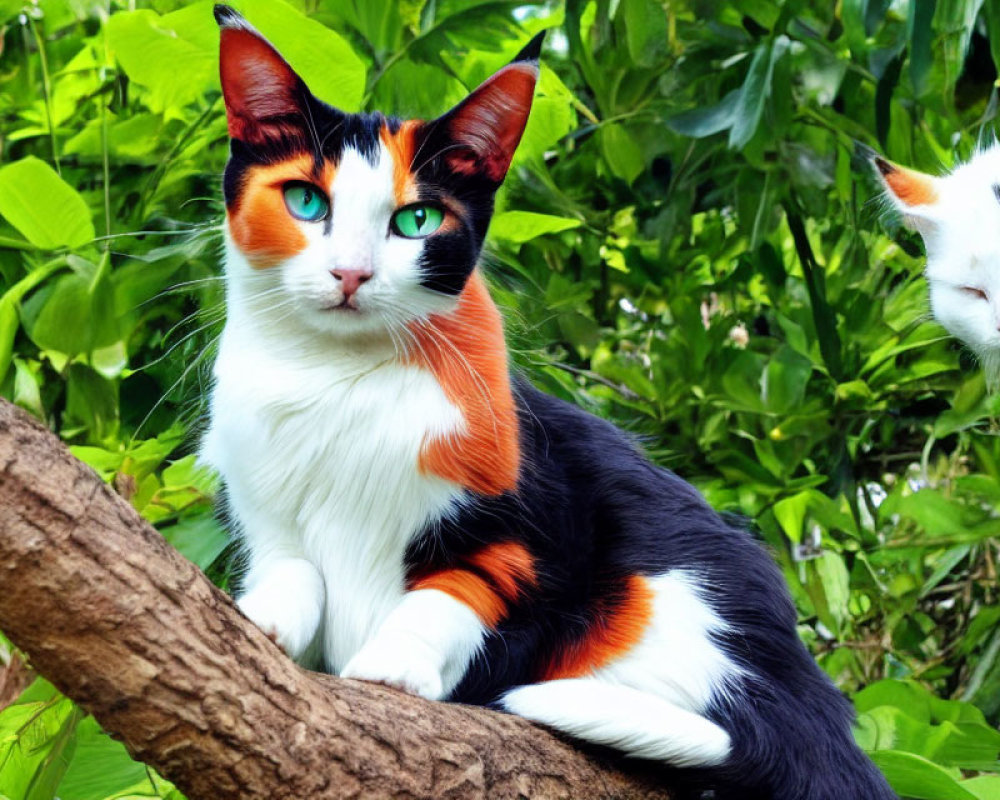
128	628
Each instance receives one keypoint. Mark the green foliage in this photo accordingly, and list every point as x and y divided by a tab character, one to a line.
685	245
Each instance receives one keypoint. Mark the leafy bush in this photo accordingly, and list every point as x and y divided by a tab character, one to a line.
686	245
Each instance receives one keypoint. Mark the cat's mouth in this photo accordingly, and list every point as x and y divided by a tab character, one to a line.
345	305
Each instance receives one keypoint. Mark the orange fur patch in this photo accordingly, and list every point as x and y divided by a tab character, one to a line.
510	566
466	353
615	629
912	187
259	220
402	146
468	588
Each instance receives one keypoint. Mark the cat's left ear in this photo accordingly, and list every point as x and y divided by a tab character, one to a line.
265	98
913	193
485	128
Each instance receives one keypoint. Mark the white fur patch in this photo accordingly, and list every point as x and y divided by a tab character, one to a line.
287	601
424	646
629	720
358	237
650	702
318	440
677	659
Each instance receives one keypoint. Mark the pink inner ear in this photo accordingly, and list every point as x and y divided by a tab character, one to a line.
491	120
257	84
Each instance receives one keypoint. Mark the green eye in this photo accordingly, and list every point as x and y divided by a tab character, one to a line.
415	222
306	202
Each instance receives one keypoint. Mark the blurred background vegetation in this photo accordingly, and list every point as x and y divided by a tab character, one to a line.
686	245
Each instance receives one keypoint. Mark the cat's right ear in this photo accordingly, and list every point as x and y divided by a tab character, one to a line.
913	193
265	98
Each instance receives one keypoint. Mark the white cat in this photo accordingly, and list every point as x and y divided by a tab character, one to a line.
958	216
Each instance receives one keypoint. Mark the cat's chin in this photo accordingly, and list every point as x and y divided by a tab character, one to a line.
342	321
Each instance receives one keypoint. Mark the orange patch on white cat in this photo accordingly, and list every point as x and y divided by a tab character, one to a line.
502	572
466	353
402	146
911	187
259	221
613	632
470	589
510	566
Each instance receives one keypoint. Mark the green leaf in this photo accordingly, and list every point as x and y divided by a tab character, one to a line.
791	514
646	31
829	585
914	776
754	93
101	767
985	787
9	324
935	513
45	209
967	745
518	227
921	33
621	152
176	56
709	120
199	539
783	384
991	12
36	744
91	400
174	69
27	387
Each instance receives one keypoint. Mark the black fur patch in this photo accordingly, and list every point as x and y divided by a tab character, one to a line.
593	511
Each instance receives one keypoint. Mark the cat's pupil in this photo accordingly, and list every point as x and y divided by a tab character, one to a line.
306	197
420	217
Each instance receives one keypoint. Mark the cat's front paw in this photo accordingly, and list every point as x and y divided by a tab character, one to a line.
410	668
283	622
286	602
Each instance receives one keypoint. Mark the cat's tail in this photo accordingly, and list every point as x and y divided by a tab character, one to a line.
636	723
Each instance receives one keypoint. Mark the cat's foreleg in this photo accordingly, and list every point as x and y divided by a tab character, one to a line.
284	597
424	646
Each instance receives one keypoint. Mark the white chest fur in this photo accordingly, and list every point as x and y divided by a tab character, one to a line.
320	453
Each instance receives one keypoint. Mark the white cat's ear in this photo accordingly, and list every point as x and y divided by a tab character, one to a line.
485	128
915	194
264	96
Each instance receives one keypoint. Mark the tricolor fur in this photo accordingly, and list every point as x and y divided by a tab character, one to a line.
411	514
958	216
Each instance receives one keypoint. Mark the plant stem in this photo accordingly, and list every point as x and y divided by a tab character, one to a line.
47	92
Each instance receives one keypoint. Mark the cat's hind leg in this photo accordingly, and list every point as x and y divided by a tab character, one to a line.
639	724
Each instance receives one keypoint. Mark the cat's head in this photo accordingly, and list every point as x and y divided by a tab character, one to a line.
353	224
958	216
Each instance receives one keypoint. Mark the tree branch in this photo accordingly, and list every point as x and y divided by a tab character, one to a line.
134	633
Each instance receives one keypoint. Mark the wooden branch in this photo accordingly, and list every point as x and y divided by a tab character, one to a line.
137	635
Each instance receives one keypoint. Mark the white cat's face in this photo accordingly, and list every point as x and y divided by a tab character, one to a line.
958	216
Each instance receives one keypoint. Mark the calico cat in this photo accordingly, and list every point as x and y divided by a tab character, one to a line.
412	514
958	216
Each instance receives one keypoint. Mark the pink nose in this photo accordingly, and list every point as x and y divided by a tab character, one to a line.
350	280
